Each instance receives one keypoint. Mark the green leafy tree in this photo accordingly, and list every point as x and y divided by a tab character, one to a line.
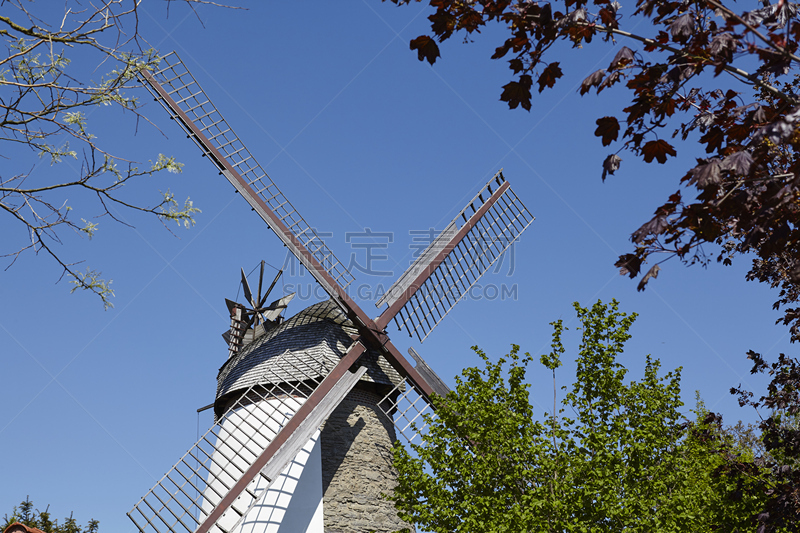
46	100
615	456
28	515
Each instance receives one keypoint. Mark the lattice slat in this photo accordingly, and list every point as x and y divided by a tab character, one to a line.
187	494
405	406
184	94
491	234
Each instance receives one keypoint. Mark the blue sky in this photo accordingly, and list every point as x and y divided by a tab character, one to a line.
358	134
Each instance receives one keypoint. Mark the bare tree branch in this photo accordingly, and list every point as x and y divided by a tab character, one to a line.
44	105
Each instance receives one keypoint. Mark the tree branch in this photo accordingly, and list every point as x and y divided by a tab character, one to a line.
730	69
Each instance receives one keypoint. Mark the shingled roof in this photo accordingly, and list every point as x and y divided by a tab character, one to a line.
310	342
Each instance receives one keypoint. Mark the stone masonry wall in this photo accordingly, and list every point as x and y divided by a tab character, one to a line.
356	443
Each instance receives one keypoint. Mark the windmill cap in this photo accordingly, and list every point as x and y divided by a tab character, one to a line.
314	340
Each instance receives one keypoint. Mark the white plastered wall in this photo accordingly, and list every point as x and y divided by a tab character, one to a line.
293	502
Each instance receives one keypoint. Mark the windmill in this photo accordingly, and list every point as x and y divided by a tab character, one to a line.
260	433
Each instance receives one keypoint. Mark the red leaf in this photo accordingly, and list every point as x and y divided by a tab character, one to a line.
707	174
652	273
443	23
739	163
518	92
682	28
611	165
549	76
501	51
667	107
426	48
471	20
738	132
713	138
608	129
608	18
623	57
655	226
610	80
594	79
659	150
629	264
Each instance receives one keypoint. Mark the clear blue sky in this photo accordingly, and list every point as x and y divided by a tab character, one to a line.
97	404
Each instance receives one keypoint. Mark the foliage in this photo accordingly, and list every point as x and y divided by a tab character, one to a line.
45	105
614	457
697	70
780	439
26	514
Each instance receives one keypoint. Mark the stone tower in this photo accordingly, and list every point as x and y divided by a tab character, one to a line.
337	484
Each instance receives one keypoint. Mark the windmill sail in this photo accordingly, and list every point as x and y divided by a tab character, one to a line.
180	94
406	406
452	264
